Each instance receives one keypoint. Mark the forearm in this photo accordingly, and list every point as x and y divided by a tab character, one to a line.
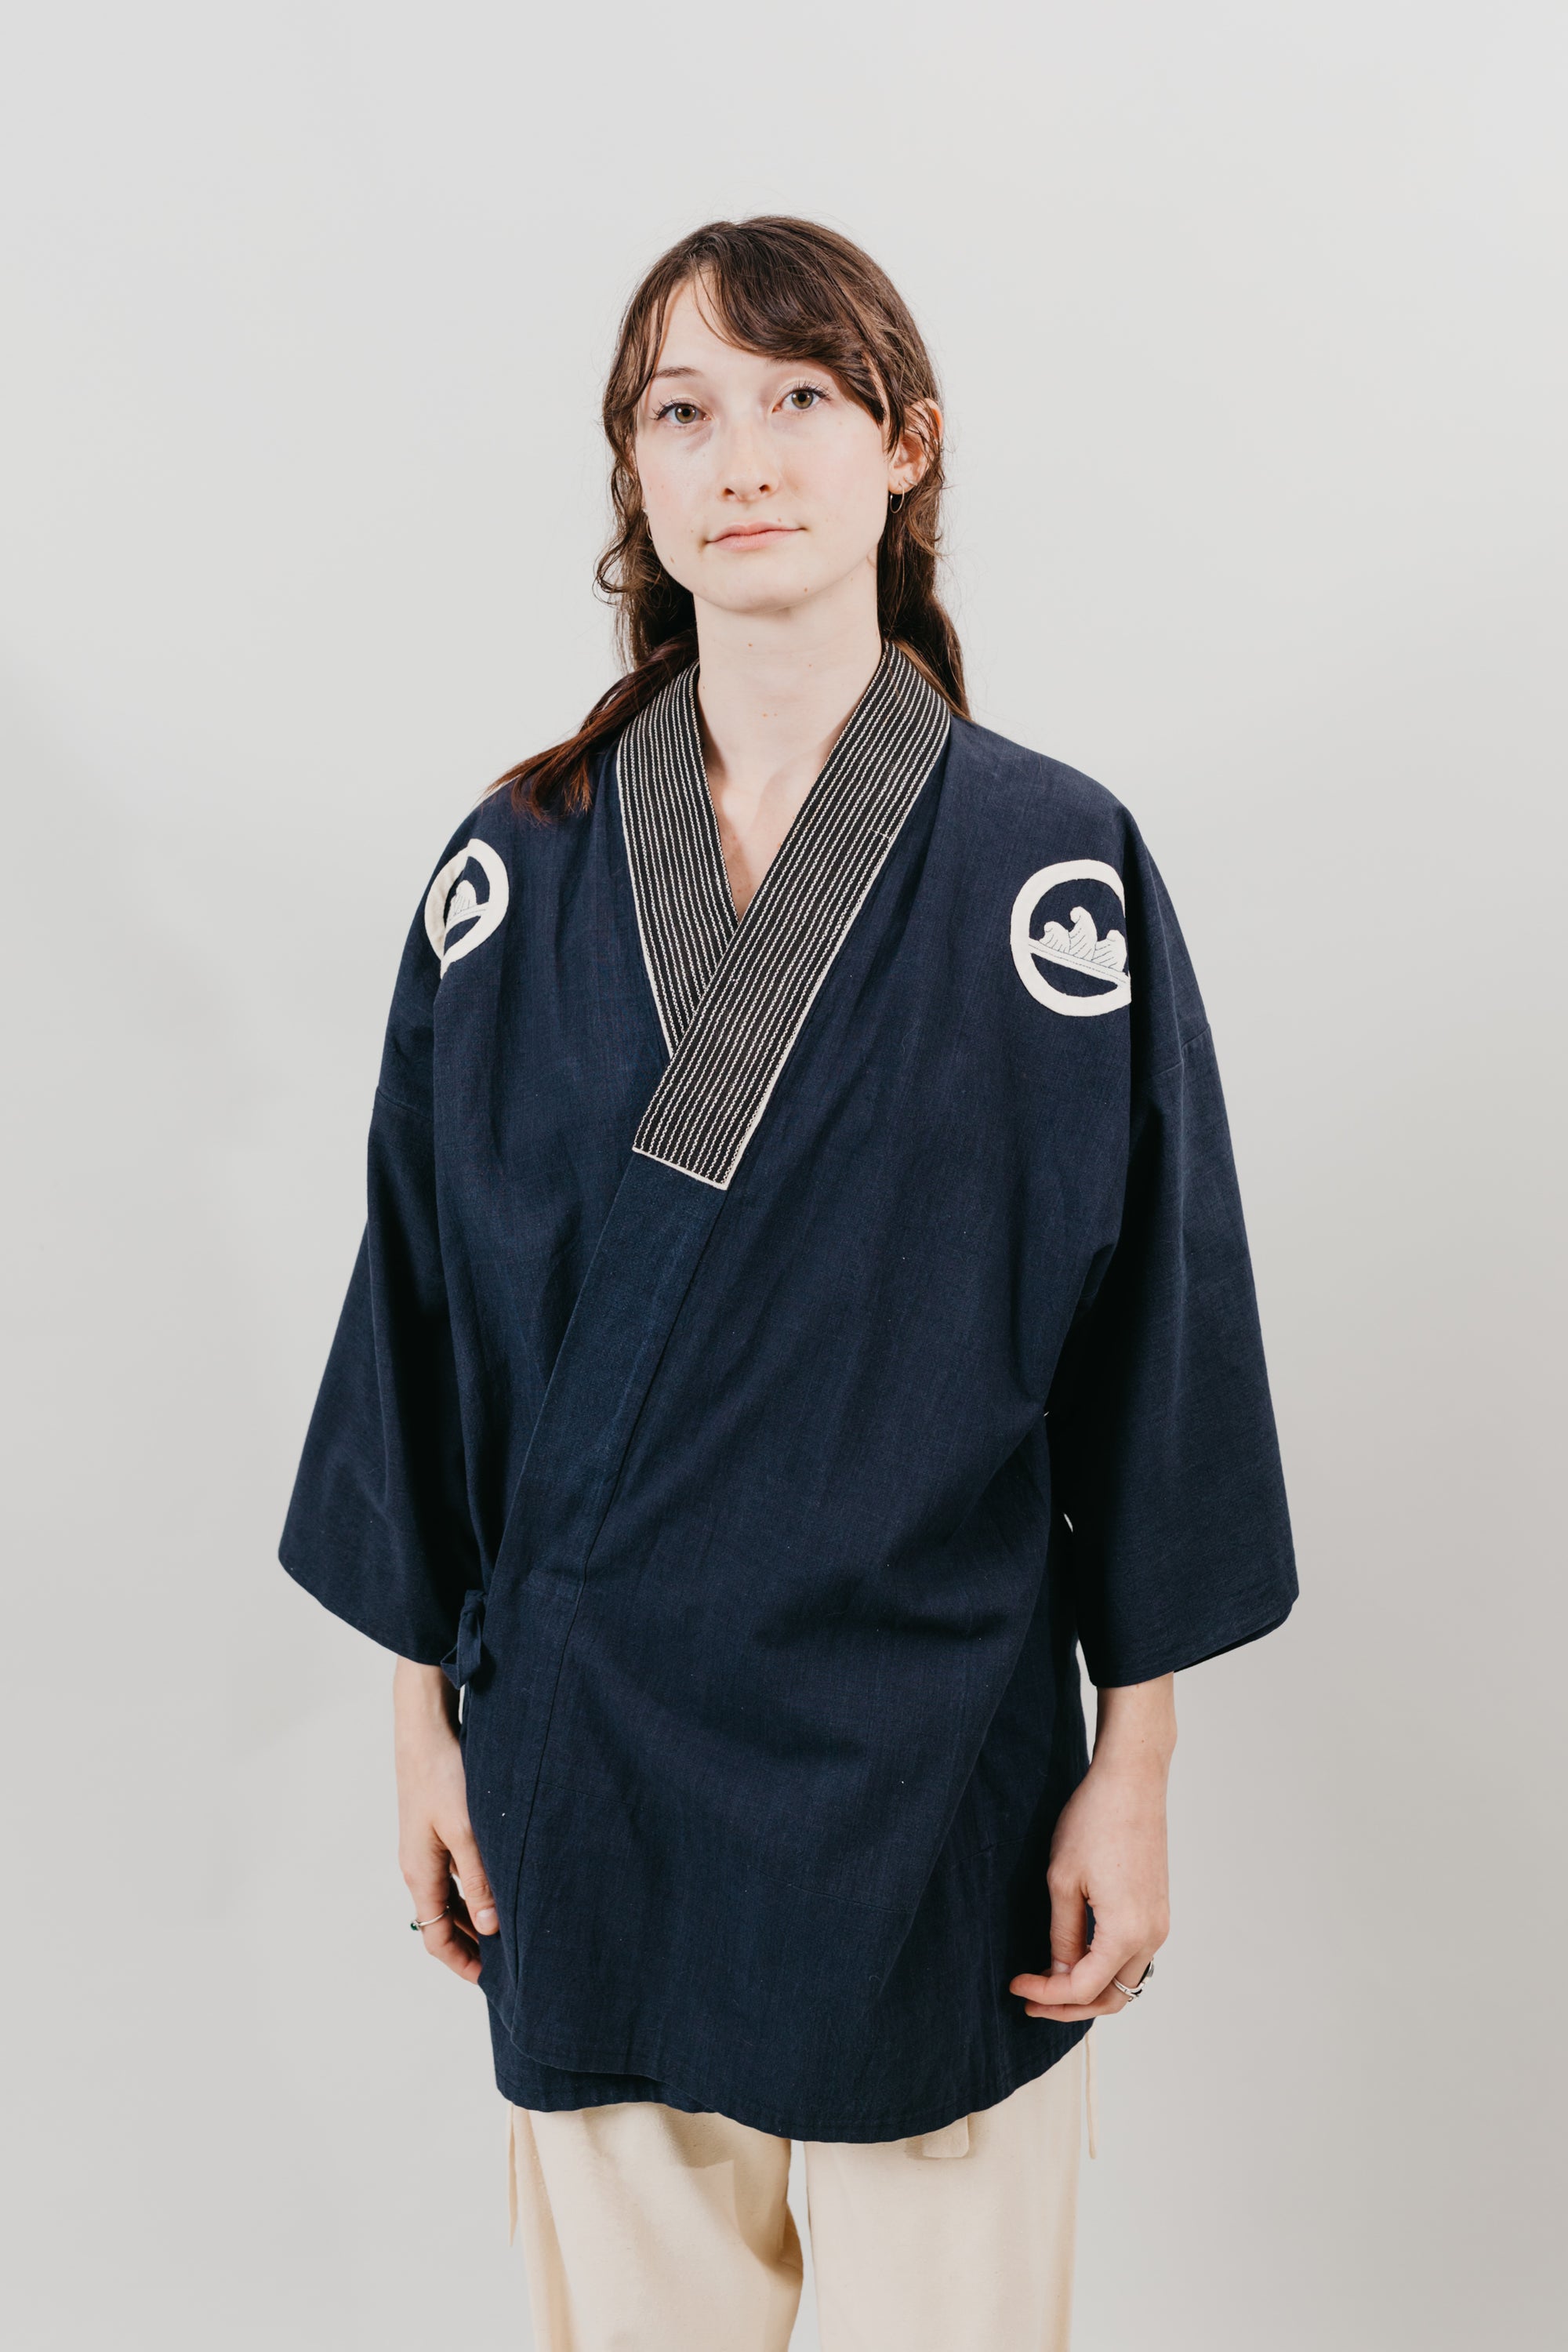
1135	1728
424	1704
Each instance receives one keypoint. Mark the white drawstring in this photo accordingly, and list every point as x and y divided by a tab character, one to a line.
1090	2103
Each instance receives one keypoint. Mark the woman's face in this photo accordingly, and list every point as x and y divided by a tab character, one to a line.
765	483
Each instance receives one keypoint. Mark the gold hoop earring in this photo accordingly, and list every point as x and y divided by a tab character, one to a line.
896	500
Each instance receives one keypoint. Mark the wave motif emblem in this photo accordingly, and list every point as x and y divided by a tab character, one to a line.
1080	950
454	906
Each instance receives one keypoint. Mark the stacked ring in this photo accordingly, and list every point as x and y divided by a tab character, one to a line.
1133	1991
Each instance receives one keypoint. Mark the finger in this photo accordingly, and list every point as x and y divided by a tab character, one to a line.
1069	1925
1064	1987
427	1875
446	1942
476	1886
1052	2000
438	1912
1088	1983
1076	2016
1074	2013
1069	1928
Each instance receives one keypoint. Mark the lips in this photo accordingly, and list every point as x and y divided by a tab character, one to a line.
752	534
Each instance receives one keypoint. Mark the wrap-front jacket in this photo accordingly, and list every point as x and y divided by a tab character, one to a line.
777	1346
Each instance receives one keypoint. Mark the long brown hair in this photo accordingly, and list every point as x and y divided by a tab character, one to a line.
794	290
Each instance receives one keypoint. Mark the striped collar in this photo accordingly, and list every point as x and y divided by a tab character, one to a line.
732	996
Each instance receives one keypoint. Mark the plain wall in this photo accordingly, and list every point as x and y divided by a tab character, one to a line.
1251	327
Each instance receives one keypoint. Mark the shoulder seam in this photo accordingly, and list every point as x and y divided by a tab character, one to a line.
1198	1037
414	1110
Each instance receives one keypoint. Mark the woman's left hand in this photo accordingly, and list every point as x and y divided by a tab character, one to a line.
1109	1855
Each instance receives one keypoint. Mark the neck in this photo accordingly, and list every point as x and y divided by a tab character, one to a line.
777	688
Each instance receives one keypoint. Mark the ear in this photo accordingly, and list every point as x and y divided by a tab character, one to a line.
911	455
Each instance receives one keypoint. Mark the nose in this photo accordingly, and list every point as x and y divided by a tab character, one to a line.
747	466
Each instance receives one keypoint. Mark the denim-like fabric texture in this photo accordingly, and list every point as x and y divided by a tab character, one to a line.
781	1511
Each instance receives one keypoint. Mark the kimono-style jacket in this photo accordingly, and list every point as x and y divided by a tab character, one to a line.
777	1346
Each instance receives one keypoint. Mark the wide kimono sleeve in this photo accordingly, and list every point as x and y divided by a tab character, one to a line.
379	1526
1163	1452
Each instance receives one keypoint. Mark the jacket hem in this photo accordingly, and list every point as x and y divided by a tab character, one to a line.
858	2125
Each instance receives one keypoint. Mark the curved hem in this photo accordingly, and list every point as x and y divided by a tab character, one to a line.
777	2124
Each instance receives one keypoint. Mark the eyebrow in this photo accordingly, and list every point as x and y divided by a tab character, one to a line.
661	374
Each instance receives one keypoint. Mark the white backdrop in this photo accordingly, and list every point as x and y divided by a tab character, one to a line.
1251	327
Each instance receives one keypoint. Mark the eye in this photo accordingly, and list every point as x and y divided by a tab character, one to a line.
681	411
802	397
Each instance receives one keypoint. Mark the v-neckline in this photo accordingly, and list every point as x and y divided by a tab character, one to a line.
739	913
732	991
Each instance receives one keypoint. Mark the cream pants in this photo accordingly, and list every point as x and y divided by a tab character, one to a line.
645	2229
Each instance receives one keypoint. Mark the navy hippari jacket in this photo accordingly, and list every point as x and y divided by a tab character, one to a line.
774	1348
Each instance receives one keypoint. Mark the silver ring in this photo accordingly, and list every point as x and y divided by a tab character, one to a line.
1130	1992
418	1923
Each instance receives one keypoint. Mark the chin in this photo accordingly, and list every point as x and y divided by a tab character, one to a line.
760	581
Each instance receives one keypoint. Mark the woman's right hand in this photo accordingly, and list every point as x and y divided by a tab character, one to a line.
435	1849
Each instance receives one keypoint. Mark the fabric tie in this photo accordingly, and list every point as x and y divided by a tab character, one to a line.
462	1661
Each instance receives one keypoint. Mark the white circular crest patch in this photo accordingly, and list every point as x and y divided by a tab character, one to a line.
1080	950
456	918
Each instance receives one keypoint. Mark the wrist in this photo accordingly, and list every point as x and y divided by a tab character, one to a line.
422	1697
1142	1772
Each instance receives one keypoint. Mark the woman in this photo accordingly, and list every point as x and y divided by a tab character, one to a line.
804	1297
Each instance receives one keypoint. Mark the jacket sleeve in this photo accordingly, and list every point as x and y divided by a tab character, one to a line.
379	1527
1163	1452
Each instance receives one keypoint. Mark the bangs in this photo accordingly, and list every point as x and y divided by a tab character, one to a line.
769	293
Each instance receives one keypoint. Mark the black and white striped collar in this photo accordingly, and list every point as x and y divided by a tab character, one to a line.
732	996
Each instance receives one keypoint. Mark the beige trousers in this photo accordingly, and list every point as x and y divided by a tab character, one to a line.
645	2229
